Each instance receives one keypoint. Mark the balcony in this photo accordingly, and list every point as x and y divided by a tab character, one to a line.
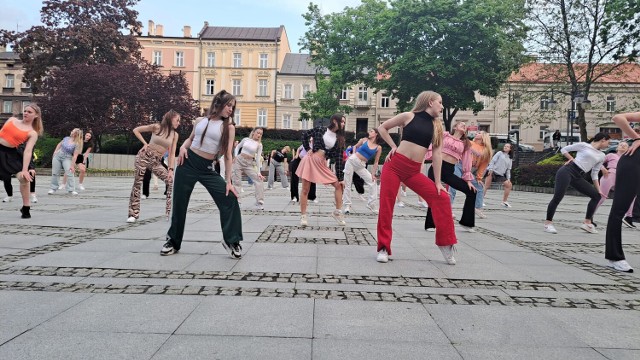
7	90
362	104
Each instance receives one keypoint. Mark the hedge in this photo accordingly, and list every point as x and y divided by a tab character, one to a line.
535	175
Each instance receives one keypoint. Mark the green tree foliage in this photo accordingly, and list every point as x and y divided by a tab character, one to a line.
324	102
406	46
76	32
587	39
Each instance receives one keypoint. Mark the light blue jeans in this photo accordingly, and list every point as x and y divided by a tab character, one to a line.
62	161
479	187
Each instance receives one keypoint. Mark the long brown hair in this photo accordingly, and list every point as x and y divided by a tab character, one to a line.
166	127
464	138
335	125
220	100
423	101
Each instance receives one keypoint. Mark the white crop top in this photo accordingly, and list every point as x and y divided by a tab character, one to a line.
249	147
329	139
211	141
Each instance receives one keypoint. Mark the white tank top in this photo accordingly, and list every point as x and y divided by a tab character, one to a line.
211	141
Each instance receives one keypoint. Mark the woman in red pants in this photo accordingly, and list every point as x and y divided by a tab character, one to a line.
422	127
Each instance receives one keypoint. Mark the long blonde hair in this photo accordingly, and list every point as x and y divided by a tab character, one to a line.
422	104
37	122
78	138
487	152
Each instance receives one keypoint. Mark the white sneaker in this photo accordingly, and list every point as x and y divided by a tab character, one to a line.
372	206
347	209
621	265
403	193
480	214
315	201
468	229
506	204
143	197
339	216
550	229
303	220
400	204
8	199
431	229
423	204
241	190
73	193
382	257
484	204
260	205
447	252
81	187
589	228
51	191
33	198
131	219
62	186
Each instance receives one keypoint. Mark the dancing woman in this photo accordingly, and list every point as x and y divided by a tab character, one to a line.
82	161
499	170
481	154
589	157
248	161
456	148
13	133
212	136
608	180
627	188
357	163
64	157
327	143
300	153
278	162
422	128
163	137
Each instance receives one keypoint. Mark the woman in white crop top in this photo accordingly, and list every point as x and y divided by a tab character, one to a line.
212	137
163	138
248	162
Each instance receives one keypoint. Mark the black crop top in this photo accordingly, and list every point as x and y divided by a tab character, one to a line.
419	130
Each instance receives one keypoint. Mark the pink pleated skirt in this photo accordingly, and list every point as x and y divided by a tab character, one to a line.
313	168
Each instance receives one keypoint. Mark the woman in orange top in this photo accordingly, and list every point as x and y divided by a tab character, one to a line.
13	133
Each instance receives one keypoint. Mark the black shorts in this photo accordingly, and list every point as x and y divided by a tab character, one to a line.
499	178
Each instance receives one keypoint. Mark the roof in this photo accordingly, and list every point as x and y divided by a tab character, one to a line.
299	64
554	73
7	55
241	33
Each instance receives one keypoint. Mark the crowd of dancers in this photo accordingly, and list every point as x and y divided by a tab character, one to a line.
456	163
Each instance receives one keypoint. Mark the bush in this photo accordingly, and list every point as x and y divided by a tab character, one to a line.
536	175
43	150
121	144
557	159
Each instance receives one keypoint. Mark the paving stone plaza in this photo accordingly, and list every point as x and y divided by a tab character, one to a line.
78	282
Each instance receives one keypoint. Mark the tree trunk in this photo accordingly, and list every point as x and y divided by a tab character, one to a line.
582	123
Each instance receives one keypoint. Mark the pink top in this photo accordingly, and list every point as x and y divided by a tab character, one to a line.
455	148
611	161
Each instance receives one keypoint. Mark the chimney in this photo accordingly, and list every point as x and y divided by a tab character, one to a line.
206	23
186	30
152	28
159	30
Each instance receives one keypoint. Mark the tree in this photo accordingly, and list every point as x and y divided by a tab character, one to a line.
454	47
76	32
587	39
112	98
322	103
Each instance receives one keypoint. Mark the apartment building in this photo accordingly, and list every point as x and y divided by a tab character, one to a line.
16	94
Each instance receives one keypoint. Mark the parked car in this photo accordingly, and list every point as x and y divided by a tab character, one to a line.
613	145
498	141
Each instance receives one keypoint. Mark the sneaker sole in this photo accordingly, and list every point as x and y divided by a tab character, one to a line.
229	250
589	231
171	252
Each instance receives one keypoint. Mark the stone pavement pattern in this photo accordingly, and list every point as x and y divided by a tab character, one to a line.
78	282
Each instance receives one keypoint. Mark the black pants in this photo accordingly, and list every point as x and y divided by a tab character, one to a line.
295	180
571	174
358	182
147	179
448	177
627	187
9	188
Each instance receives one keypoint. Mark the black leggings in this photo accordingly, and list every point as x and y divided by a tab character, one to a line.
627	187
448	177
9	188
571	174
295	180
146	180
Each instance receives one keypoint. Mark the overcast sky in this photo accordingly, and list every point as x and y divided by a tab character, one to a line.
173	15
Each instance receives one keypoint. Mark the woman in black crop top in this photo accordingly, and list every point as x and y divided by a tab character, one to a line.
422	127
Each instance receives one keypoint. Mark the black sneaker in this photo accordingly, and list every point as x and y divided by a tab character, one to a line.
628	222
167	249
234	250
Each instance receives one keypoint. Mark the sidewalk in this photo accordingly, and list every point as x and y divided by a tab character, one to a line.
78	282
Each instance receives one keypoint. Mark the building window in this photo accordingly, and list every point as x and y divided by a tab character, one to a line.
237	60
304	124
264	61
235	87
384	101
344	94
236	117
210	87
544	102
286	121
211	59
516	102
363	94
484	128
288	91
25	103
25	84
157	58
10	81
7	107
262	118
179	58
305	90
543	130
262	87
611	104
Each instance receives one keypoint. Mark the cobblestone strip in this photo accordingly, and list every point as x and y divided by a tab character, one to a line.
282	234
442	299
583	248
321	279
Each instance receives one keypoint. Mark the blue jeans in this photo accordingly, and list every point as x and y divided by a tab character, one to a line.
62	161
479	187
